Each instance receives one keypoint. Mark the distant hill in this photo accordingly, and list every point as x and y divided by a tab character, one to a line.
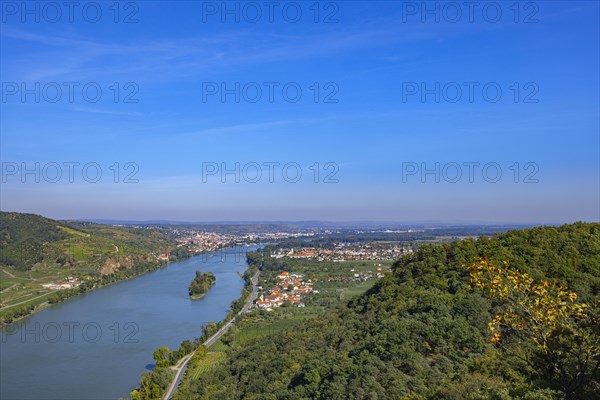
294	225
22	238
27	240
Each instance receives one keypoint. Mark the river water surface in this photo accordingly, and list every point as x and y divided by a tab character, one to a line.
96	346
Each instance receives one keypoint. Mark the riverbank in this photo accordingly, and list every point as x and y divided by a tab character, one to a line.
183	363
45	261
152	384
59	296
118	327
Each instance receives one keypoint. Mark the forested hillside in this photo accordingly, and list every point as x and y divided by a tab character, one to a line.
29	239
22	238
437	328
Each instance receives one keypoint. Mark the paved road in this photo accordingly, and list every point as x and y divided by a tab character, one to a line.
183	363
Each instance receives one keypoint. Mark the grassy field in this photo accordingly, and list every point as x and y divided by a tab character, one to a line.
257	324
18	286
357	290
200	365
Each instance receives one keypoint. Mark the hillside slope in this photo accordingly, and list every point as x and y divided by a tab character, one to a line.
422	333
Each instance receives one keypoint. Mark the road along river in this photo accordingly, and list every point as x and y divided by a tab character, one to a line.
96	346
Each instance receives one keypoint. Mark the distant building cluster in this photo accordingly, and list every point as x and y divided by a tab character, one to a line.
203	241
360	276
344	252
292	288
68	283
199	242
163	257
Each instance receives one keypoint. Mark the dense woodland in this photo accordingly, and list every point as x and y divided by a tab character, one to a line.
514	316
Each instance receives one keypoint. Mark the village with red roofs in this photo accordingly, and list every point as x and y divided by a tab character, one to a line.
290	287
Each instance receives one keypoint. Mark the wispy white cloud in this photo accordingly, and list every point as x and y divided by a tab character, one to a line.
105	111
171	59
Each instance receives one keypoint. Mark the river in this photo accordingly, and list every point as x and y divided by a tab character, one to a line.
96	346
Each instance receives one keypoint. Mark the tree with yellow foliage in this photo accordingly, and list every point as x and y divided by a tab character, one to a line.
541	323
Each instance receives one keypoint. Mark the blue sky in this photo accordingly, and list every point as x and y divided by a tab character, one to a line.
375	66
